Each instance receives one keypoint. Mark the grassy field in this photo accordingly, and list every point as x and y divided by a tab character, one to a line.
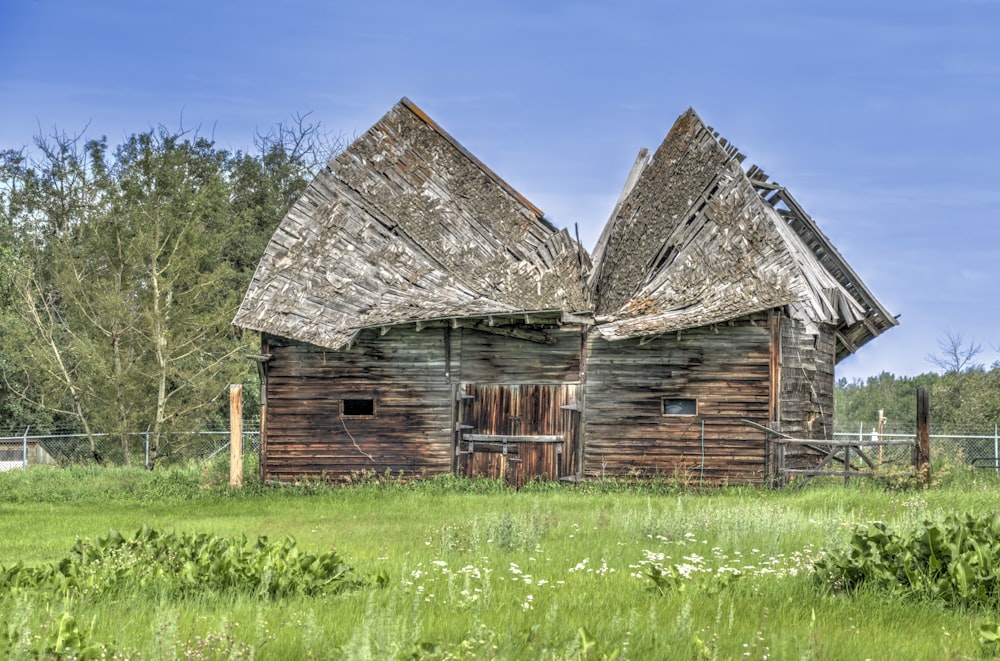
478	571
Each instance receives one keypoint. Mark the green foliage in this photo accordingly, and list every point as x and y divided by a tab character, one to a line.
183	565
989	634
966	400
960	400
121	269
112	484
860	400
682	577
65	640
590	648
955	562
573	582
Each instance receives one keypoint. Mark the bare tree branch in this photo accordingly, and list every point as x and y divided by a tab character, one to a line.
955	354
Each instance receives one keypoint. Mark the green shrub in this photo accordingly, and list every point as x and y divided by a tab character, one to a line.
185	564
66	639
955	562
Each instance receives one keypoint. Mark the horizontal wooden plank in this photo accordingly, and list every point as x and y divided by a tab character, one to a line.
502	438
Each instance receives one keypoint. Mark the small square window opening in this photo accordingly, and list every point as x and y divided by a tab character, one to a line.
673	406
358	407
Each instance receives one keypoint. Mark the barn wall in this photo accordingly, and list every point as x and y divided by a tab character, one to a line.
412	376
493	359
807	380
404	372
488	358
726	369
415	378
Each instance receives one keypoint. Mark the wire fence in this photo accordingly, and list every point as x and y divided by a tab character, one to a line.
979	448
20	449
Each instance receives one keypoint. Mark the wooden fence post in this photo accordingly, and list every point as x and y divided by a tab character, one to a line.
236	435
922	451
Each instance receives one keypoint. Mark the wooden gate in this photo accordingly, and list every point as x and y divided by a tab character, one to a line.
816	458
517	432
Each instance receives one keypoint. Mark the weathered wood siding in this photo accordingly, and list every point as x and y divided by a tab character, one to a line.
422	383
725	368
413	378
539	425
487	358
807	380
491	359
406	374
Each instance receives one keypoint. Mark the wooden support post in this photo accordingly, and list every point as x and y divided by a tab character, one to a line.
781	477
922	451
236	435
773	464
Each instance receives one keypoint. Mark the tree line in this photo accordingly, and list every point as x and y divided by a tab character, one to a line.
964	394
121	269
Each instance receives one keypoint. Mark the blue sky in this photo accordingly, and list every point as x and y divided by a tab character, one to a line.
883	119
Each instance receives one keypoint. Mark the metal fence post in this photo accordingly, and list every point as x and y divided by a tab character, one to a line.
996	449
24	449
146	434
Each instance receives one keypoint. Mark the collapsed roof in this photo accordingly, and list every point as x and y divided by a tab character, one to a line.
407	226
694	240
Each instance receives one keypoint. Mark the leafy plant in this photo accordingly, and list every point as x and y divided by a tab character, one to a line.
186	564
680	578
67	640
956	562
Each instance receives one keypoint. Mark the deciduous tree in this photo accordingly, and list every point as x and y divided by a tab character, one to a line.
126	269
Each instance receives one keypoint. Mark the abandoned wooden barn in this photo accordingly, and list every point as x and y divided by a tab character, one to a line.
419	316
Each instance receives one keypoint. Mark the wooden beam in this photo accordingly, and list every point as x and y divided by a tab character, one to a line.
584	318
519	333
505	438
816	443
765	429
847	343
775	366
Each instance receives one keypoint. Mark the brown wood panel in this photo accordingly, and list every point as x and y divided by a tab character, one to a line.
527	417
414	376
725	368
807	380
488	358
405	372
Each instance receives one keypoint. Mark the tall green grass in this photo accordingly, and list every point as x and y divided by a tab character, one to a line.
479	571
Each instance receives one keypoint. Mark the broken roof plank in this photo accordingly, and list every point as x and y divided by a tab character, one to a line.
406	225
695	238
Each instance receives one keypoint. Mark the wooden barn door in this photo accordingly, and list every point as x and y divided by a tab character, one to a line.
517	432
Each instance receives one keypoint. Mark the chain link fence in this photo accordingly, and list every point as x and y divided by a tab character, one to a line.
21	448
981	448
